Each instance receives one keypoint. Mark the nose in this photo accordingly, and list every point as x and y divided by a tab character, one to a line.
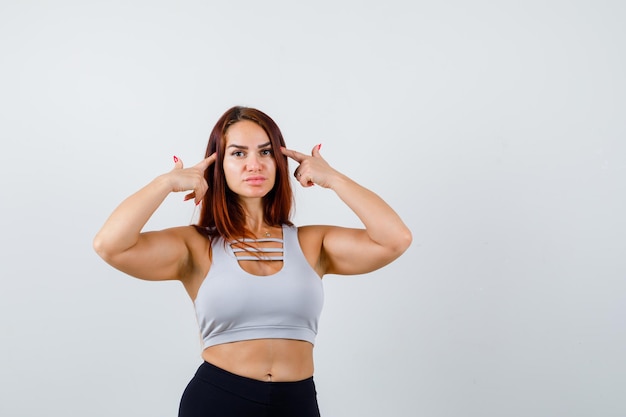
253	163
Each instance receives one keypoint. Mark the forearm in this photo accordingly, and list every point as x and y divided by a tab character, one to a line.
382	223
122	229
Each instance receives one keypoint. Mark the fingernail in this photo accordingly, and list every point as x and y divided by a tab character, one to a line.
175	159
319	146
198	202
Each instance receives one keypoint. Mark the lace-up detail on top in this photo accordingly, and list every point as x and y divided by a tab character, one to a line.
266	249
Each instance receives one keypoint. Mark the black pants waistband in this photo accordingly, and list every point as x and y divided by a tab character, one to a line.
252	389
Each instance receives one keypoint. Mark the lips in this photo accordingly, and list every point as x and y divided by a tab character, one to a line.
255	180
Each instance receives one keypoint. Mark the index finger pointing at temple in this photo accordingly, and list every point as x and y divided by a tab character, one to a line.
296	156
206	162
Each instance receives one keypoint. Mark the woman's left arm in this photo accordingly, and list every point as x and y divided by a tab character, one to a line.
347	251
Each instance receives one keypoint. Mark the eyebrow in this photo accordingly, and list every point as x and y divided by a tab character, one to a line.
263	145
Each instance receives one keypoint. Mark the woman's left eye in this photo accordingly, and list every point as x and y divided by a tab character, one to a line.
266	152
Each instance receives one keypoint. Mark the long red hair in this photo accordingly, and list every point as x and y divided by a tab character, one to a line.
221	213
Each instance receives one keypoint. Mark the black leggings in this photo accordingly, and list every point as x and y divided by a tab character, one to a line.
214	392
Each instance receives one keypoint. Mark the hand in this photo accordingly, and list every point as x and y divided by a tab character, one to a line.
186	179
311	169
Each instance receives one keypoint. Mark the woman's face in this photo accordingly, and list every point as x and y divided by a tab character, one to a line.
249	165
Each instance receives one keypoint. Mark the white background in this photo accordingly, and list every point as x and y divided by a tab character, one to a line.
496	129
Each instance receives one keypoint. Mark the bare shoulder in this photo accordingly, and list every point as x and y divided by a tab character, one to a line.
199	261
311	234
197	243
188	233
311	228
317	233
311	240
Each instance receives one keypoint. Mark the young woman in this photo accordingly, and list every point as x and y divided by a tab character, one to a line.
254	278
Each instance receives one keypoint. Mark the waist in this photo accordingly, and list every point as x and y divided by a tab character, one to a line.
269	360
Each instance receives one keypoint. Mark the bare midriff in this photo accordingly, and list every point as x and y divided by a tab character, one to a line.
270	360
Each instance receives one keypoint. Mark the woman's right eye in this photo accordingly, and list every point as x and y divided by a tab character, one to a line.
237	153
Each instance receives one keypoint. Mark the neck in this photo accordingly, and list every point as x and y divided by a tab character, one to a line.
255	221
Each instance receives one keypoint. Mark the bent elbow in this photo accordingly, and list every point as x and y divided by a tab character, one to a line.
399	244
100	246
404	241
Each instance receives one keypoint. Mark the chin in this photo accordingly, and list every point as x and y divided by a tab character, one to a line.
253	194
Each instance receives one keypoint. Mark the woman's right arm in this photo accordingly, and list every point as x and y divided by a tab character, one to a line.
158	255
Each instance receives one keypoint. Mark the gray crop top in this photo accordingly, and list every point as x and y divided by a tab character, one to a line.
234	305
